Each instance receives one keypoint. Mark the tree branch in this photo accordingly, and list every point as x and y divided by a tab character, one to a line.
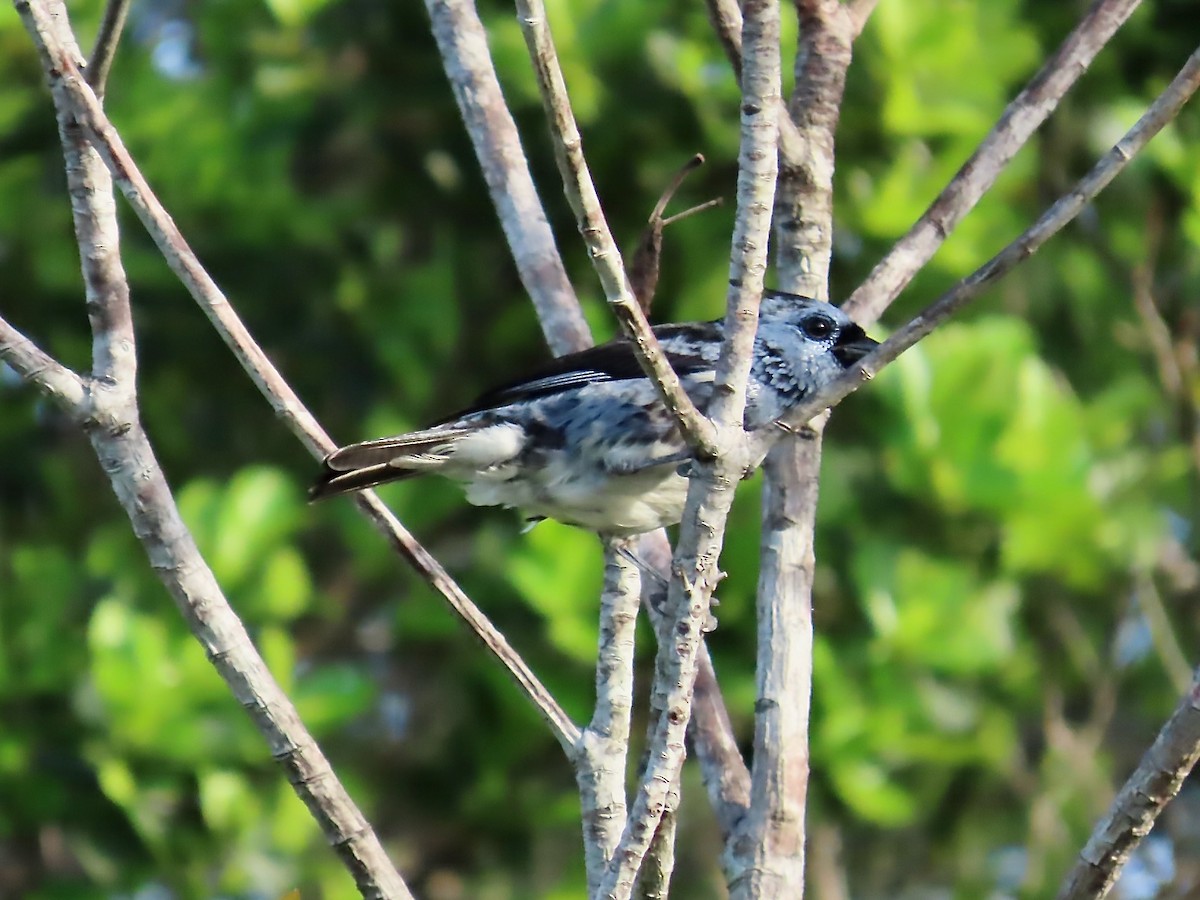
1020	119
758	166
603	748
804	201
860	11
67	83
1128	823
458	32
765	856
111	27
713	742
94	216
127	458
106	407
462	43
606	257
1153	783
654	880
1162	111
43	371
765	853
710	489
726	19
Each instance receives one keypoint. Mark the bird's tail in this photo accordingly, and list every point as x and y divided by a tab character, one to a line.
360	466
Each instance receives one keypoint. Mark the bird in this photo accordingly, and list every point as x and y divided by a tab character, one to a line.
587	441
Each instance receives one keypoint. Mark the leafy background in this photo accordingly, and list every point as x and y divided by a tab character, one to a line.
1006	589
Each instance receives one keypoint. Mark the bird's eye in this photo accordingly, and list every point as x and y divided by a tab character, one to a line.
818	327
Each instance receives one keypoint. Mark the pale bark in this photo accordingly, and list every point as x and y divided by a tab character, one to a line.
1028	110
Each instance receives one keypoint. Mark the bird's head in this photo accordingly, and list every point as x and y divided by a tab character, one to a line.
814	337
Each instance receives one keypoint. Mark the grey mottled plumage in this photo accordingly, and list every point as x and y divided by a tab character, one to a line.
587	441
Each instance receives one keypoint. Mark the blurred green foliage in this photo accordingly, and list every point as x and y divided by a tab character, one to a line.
1007	521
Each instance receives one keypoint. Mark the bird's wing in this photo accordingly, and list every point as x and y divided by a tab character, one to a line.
684	346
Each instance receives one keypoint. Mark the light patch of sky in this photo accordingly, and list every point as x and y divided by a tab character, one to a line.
163	26
1149	870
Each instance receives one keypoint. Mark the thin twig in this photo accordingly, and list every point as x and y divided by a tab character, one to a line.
67	81
1018	122
600	759
1167	358
643	272
589	216
40	369
111	27
1133	811
1162	632
1162	111
710	490
462	42
692	210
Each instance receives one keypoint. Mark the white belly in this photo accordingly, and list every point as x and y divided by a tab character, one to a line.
620	505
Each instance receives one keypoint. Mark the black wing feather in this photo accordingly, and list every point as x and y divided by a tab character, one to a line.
613	361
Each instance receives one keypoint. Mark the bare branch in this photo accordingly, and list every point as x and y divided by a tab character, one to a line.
564	730
111	26
1172	370
766	853
654	878
1162	633
693	210
860	11
108	412
726	18
1133	818
606	257
66	80
643	273
654	881
43	371
1153	783
126	455
458	31
758	166
1163	110
94	215
804	201
716	749
603	747
1020	119
463	44
710	489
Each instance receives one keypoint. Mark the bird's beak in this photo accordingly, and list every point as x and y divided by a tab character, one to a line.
852	345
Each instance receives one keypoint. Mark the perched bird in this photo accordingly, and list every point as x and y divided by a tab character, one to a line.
587	441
